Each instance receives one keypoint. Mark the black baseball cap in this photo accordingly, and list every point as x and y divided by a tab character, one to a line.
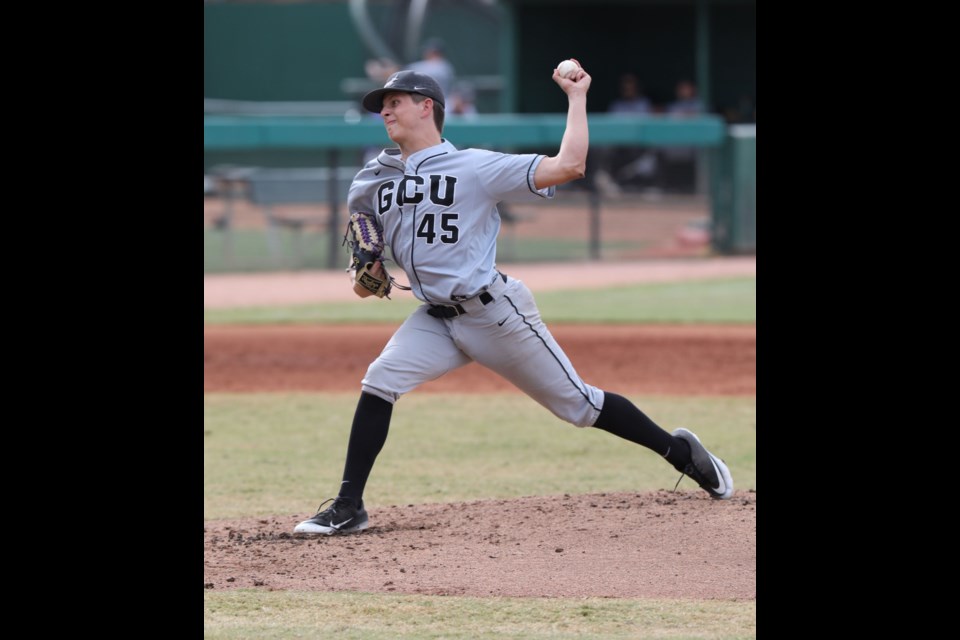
409	81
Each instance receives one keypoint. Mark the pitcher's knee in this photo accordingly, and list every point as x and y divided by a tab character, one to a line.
379	383
384	395
583	415
585	419
581	409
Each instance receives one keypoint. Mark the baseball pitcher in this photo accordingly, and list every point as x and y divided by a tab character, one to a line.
435	207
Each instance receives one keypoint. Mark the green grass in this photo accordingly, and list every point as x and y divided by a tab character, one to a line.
283	453
511	249
249	250
709	301
361	616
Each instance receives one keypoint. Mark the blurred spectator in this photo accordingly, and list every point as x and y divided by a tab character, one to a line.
434	63
679	164
461	101
379	69
632	98
687	102
615	166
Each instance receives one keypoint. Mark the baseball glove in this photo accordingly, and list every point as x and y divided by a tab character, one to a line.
370	277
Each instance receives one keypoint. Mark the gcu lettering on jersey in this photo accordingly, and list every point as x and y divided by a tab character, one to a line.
441	192
438	212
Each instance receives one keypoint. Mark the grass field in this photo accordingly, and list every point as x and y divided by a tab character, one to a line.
282	453
261	451
729	301
365	616
248	250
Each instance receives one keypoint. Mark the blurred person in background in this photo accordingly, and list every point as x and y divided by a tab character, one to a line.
686	102
679	164
616	165
434	63
462	100
379	69
632	98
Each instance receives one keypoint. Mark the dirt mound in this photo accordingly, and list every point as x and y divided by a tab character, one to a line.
662	544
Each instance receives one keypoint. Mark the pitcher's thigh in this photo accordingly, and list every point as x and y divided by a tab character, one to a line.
419	351
523	351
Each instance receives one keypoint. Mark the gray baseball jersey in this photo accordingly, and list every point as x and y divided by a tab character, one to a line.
438	212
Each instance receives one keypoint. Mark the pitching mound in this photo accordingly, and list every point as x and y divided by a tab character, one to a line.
618	545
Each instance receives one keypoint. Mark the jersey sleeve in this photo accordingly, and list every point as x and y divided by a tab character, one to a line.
508	176
361	195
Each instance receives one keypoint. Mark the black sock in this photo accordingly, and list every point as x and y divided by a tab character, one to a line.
622	418
367	435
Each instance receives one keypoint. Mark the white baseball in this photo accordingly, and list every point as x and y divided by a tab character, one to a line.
567	69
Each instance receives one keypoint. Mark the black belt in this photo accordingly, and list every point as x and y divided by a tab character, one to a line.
452	311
